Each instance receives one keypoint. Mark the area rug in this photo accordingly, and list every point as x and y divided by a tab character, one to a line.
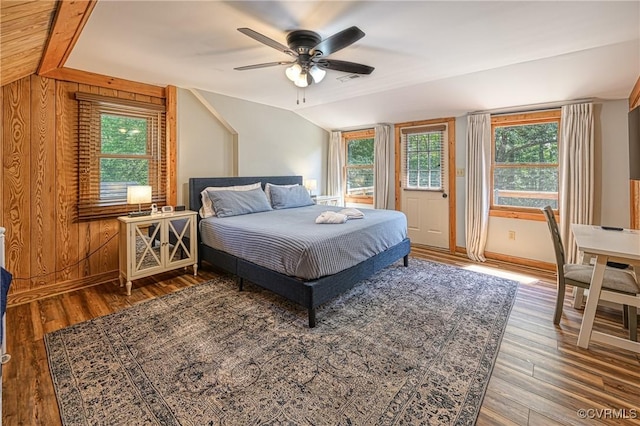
408	346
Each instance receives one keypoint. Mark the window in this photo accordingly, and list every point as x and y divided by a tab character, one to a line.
359	166
121	143
525	161
422	157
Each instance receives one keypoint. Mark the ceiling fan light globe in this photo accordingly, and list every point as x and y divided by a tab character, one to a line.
317	73
302	81
293	72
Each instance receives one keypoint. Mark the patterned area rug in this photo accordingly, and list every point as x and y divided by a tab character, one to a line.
411	345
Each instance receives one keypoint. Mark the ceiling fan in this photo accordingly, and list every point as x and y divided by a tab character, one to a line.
309	52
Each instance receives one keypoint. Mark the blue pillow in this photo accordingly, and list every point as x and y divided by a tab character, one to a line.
234	203
286	198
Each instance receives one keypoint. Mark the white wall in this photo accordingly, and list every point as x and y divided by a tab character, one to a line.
612	145
611	201
204	145
271	141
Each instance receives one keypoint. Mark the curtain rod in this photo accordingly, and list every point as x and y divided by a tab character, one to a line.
530	107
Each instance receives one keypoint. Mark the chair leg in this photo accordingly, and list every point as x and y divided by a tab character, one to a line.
559	303
633	323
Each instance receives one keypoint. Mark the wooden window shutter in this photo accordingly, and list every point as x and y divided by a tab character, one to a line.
96	197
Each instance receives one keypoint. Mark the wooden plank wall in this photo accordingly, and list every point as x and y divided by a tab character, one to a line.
48	251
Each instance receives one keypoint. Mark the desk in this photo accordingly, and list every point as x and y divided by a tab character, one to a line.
618	246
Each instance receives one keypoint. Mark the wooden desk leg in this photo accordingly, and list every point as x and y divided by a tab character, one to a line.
592	302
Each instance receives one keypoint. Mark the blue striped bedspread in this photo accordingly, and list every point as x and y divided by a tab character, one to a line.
290	242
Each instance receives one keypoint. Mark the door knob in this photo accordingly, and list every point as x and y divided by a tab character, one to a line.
444	195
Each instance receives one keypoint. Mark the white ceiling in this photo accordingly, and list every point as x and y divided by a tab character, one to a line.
431	59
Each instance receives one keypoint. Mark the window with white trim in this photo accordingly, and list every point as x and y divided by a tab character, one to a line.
525	161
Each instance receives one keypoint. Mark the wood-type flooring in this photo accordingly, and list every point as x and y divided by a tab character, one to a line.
540	377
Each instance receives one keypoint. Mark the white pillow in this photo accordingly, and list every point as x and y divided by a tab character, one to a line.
267	189
207	207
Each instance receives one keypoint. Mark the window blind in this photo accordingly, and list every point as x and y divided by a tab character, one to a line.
97	197
423	157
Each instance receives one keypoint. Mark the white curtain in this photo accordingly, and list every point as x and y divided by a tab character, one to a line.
335	166
381	165
576	172
478	184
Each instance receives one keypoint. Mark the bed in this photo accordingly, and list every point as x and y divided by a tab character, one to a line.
302	282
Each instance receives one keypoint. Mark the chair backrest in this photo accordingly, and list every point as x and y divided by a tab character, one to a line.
555	237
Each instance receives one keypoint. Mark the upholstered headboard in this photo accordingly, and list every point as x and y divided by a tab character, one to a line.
197	185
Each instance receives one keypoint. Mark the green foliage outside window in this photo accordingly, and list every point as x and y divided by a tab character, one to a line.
526	160
122	140
424	168
360	156
360	151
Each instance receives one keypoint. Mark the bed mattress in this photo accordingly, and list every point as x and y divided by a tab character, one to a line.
290	242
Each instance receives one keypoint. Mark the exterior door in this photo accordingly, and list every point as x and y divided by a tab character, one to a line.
424	186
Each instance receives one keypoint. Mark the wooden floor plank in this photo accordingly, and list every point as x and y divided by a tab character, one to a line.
540	378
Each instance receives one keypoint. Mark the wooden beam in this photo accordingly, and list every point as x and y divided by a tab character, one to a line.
634	97
171	106
68	23
634	101
93	79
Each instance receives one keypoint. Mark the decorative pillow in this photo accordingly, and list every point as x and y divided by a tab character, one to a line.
207	209
234	203
294	196
268	186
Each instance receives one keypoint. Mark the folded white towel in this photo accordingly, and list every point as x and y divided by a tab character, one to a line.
352	213
331	217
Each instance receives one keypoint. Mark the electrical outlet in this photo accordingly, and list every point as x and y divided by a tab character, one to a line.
459	172
512	235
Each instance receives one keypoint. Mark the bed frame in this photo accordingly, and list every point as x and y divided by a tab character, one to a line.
309	294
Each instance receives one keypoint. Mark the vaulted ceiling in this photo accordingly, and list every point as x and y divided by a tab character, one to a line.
431	59
24	30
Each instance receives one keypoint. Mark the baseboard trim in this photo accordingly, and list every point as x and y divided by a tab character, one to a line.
64	287
531	263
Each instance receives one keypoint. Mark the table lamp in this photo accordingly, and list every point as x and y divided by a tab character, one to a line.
311	185
138	194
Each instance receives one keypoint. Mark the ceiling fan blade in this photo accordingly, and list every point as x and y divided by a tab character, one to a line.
267	64
344	66
339	41
266	40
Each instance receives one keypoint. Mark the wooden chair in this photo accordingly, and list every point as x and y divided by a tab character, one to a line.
577	275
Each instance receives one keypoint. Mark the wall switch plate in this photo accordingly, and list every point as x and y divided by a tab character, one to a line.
512	235
459	172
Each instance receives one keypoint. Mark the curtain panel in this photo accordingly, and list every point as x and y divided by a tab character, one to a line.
381	165
478	177
335	166
576	172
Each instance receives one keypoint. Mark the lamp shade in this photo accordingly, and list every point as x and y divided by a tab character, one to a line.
138	194
311	184
293	72
302	80
317	73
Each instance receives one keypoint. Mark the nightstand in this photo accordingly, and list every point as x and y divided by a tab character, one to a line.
328	200
156	243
